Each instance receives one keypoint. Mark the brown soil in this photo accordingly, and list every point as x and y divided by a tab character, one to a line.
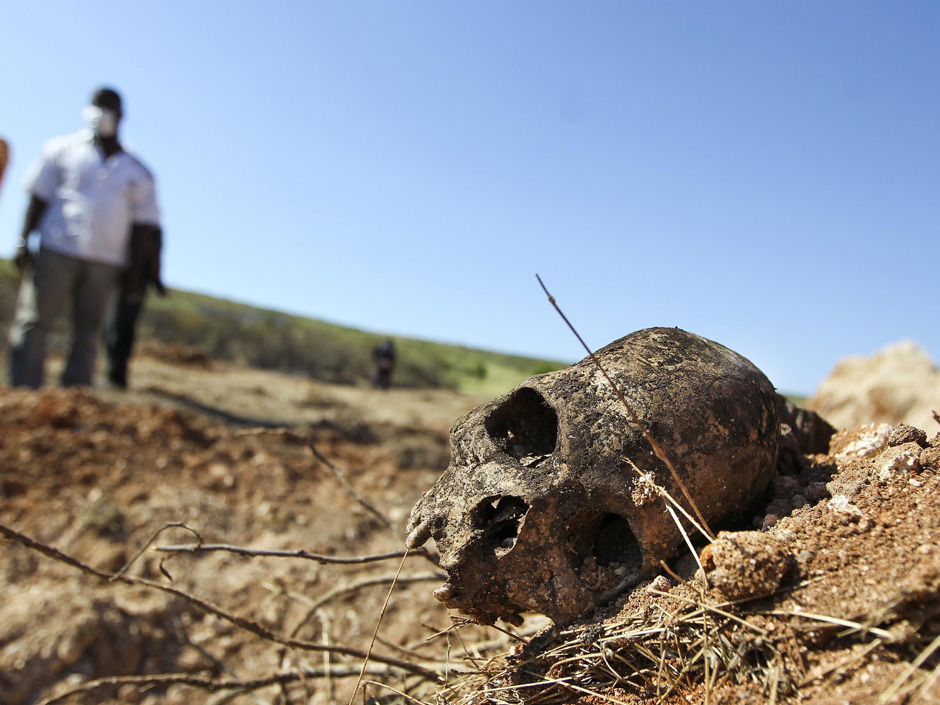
848	546
838	602
96	474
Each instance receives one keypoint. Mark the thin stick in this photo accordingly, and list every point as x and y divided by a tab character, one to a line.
657	449
533	684
409	650
909	671
841	664
688	541
298	553
378	623
467	655
509	633
833	621
140	551
670	572
702	607
349	488
647	479
241	622
340	590
594	693
203	682
928	682
397	692
325	628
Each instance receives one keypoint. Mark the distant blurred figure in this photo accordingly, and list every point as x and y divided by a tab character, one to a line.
4	158
89	200
143	270
384	355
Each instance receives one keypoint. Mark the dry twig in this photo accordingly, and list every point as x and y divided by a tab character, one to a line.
378	623
242	623
654	444
206	683
340	590
272	553
651	654
350	490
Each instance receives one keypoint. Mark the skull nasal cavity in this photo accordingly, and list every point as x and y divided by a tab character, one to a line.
499	519
524	425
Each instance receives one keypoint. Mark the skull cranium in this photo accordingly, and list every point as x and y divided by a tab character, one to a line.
540	508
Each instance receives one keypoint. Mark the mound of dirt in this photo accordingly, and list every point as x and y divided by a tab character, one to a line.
899	384
839	602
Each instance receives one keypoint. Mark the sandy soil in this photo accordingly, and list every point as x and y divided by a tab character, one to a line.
831	594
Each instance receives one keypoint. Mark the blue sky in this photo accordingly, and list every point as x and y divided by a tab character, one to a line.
763	174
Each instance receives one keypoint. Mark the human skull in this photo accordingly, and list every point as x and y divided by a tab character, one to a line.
541	510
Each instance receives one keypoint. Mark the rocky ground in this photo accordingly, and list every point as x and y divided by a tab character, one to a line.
831	594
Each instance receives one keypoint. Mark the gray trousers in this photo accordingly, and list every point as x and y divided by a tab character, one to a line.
54	281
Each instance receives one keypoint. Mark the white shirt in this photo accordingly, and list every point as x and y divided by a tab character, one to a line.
93	200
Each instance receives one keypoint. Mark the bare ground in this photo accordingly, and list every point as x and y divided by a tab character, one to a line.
836	600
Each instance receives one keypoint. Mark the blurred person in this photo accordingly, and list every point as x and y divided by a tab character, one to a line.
89	199
4	158
384	356
143	270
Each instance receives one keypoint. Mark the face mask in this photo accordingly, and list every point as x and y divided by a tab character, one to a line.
102	121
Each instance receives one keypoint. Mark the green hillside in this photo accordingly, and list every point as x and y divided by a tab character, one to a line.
273	340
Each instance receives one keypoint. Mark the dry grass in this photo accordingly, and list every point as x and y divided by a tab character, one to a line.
676	644
681	645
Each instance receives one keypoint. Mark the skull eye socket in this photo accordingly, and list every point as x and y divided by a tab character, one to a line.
499	518
524	426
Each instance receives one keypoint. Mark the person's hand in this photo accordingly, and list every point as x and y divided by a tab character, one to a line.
131	282
23	259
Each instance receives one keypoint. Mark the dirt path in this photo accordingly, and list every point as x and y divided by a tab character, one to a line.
271	398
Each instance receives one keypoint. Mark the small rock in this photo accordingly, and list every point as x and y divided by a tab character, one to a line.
862	441
805	556
905	433
816	491
769	521
903	459
840	503
780	507
220	478
746	564
786	485
930	458
660	584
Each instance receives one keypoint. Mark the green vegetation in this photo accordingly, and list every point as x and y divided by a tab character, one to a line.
273	340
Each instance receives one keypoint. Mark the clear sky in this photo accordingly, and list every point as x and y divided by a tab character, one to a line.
764	174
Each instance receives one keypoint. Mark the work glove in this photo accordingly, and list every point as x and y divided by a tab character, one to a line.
23	259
